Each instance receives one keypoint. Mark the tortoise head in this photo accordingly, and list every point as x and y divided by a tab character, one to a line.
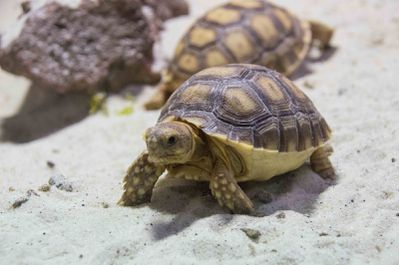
170	142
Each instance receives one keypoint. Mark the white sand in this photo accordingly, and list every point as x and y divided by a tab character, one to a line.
352	222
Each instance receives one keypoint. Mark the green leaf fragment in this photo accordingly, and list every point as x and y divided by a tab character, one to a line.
97	103
125	111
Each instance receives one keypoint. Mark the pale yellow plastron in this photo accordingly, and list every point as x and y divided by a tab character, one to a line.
263	164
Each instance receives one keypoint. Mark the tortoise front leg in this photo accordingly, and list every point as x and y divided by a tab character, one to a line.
139	181
320	162
225	189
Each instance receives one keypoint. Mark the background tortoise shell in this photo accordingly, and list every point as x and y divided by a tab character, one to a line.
243	31
249	104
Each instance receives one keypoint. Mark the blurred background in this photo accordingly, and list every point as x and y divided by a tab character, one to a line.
355	221
12	88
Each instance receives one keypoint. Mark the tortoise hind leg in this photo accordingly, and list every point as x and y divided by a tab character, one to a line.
164	91
227	192
139	181
158	99
322	33
320	162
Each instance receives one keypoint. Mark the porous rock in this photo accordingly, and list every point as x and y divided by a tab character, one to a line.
94	45
168	9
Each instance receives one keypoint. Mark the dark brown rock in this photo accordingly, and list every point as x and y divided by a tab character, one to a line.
166	9
100	45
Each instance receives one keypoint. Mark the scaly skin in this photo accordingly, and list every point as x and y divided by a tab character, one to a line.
225	189
322	33
320	162
139	181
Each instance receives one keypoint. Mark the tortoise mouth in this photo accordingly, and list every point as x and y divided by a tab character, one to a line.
167	158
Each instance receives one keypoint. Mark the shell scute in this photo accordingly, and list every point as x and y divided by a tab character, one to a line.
284	18
238	105
189	62
219	72
305	132
215	56
240	45
199	95
268	134
250	4
289	130
201	36
223	16
269	89
265	30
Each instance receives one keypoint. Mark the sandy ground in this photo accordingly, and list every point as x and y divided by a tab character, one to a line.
309	221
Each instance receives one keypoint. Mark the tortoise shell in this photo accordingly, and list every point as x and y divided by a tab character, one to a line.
243	31
249	104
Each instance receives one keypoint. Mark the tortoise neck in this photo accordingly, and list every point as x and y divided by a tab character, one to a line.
200	148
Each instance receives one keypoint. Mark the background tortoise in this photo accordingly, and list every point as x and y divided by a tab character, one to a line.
241	31
229	124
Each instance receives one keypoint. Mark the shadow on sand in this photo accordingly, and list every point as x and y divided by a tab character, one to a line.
191	201
44	112
315	56
322	56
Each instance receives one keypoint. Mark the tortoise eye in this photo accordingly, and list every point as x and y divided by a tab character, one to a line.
172	140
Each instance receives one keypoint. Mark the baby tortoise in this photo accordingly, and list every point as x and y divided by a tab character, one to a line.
241	31
228	124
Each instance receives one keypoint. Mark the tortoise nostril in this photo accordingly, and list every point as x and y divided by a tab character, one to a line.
152	142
